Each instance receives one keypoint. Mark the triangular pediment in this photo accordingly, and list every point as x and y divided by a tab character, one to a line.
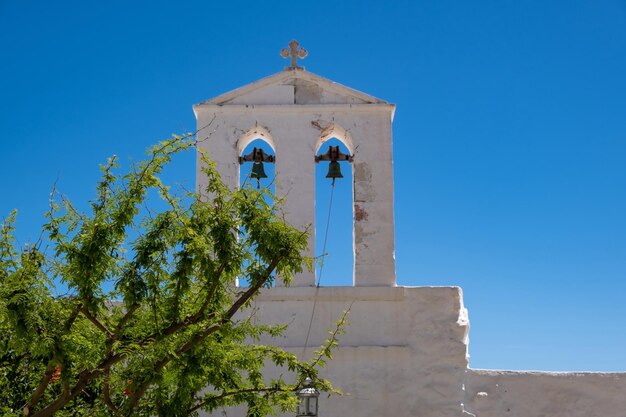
293	87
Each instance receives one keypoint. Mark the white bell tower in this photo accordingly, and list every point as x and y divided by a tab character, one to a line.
295	112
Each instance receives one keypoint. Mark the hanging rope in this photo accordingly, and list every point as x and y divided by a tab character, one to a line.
319	277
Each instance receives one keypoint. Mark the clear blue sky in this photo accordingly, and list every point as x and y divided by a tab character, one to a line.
509	136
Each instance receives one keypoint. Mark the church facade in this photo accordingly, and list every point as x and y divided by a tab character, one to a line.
405	350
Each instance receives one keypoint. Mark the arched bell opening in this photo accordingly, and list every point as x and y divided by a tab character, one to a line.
257	166
333	213
256	170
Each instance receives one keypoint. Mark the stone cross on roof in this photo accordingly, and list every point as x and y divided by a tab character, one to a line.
295	52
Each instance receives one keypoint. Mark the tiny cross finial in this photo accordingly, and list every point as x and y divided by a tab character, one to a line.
294	51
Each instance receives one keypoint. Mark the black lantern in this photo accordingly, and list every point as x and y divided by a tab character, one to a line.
308	395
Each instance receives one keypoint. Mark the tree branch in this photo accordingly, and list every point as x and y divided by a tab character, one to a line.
334	336
106	392
199	338
123	320
84	377
96	322
231	393
45	380
41	388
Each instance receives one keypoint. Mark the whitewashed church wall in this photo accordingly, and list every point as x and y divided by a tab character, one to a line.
404	352
549	394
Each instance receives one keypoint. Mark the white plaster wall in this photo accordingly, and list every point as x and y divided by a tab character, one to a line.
403	354
545	394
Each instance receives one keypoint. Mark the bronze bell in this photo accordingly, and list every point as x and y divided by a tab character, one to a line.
257	156
334	170
258	171
334	155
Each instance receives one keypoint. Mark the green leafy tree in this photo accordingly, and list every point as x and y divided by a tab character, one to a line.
153	323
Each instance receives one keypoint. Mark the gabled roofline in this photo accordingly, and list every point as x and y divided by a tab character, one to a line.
295	73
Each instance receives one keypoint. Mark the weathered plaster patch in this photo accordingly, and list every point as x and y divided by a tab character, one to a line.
359	213
323	126
362	171
307	92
